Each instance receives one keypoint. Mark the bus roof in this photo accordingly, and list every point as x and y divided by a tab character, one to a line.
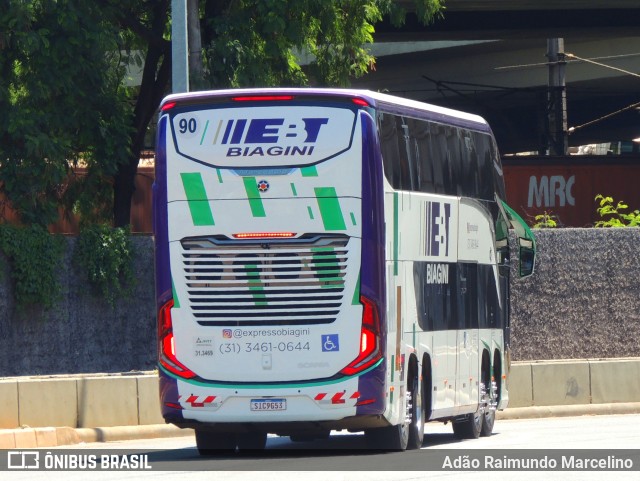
377	100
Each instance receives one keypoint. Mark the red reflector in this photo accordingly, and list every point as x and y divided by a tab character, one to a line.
360	102
261	98
263	235
173	405
168	106
364	402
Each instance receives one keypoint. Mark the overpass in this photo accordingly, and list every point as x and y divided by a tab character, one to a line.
490	57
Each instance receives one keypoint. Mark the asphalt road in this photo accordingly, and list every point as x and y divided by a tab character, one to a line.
344	457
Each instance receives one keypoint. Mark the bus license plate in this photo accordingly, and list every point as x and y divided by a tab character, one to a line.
268	404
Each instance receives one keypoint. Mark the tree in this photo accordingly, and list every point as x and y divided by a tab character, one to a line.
63	67
61	102
253	43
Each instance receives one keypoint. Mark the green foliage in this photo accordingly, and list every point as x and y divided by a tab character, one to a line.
62	85
545	221
105	255
614	215
35	257
259	42
61	103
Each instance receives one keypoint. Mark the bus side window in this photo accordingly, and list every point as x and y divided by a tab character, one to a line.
389	148
408	177
419	131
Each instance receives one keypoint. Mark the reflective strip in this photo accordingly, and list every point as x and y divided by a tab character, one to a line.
195	401
197	198
336	398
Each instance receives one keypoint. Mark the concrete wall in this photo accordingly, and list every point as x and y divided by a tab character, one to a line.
574	382
102	400
582	303
96	400
82	333
583	300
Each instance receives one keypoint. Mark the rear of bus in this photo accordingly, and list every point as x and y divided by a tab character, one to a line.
269	261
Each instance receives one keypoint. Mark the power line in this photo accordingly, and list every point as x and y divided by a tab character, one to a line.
570	55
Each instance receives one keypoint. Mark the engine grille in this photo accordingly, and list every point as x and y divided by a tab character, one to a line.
292	282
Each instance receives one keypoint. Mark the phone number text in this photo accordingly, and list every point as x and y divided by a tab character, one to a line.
238	348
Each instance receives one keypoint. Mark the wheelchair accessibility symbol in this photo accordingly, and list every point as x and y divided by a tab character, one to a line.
330	342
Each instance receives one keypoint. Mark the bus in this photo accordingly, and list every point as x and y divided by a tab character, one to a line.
330	260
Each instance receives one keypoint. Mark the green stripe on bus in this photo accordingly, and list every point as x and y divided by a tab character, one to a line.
255	284
353	219
393	367
321	383
293	189
356	293
310	171
395	234
219	176
330	210
327	267
204	132
310	212
176	301
255	201
197	198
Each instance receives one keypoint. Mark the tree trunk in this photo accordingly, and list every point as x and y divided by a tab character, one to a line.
155	79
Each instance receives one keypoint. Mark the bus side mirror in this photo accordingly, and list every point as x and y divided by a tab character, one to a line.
527	258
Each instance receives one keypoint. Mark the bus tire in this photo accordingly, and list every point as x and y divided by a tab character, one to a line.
410	433
469	426
489	416
415	409
211	444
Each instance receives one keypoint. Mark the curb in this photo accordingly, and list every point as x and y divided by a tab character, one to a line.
532	412
65	436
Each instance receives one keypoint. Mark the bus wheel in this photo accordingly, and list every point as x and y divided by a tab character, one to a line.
410	433
469	426
490	403
252	441
210	443
415	411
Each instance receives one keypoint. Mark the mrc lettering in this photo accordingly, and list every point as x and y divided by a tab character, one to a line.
549	189
272	131
438	225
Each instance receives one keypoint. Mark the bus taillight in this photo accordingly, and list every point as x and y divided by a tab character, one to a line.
168	106
261	98
360	102
166	348
370	351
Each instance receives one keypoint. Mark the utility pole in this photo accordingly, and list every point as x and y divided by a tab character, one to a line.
179	47
557	138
